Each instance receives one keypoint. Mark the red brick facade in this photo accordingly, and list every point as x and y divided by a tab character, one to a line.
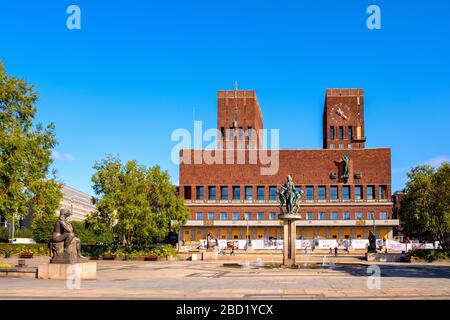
333	206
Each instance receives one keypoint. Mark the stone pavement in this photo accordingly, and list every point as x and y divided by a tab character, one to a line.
212	280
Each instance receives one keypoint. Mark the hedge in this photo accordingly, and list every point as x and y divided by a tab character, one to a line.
94	251
38	249
431	254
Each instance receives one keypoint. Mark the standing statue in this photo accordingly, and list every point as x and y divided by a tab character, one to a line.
289	196
372	242
346	159
66	248
210	242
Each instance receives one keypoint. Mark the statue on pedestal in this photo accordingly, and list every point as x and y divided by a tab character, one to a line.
65	247
372	242
289	196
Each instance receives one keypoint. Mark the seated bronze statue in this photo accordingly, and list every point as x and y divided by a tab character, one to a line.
66	248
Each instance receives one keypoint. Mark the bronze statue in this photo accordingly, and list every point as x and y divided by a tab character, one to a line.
66	248
346	159
289	196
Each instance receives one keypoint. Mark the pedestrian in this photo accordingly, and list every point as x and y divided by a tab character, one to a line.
336	251
232	251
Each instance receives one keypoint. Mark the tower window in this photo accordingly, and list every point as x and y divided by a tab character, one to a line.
332	133
350	133
211	193
341	133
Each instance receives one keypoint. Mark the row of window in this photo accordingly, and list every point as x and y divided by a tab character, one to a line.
309	216
341	133
359	193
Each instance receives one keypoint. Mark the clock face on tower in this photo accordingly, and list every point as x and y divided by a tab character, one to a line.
340	112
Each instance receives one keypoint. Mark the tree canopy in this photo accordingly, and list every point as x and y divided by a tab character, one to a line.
25	153
139	204
425	210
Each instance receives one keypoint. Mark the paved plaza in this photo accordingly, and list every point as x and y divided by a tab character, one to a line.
213	280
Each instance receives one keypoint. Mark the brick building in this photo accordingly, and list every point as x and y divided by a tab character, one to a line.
236	201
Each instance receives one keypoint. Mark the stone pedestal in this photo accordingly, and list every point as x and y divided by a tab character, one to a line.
57	271
289	236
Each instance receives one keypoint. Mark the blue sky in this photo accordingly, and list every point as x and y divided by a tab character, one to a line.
137	70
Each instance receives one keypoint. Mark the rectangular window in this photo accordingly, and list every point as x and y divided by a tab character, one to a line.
309	193
298	189
323	216
341	146
383	216
211	216
334	193
273	193
223	216
334	216
248	216
224	193
236	216
371	216
236	193
332	146
260	191
187	193
382	192
260	215
358	215
322	193
241	134
199	216
200	193
350	146
350	133
212	193
341	133
248	193
358	192
346	192
370	191
273	216
231	134
332	133
346	215
309	216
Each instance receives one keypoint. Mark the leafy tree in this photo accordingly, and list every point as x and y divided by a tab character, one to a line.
25	153
42	227
138	203
425	210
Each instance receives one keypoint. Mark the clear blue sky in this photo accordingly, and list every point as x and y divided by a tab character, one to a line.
137	69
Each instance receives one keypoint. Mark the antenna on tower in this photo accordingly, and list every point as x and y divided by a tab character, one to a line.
235	104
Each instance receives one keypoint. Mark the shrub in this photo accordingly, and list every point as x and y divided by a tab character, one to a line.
23	233
431	255
17	249
164	251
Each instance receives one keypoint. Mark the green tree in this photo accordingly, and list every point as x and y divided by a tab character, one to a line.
425	210
139	204
25	153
